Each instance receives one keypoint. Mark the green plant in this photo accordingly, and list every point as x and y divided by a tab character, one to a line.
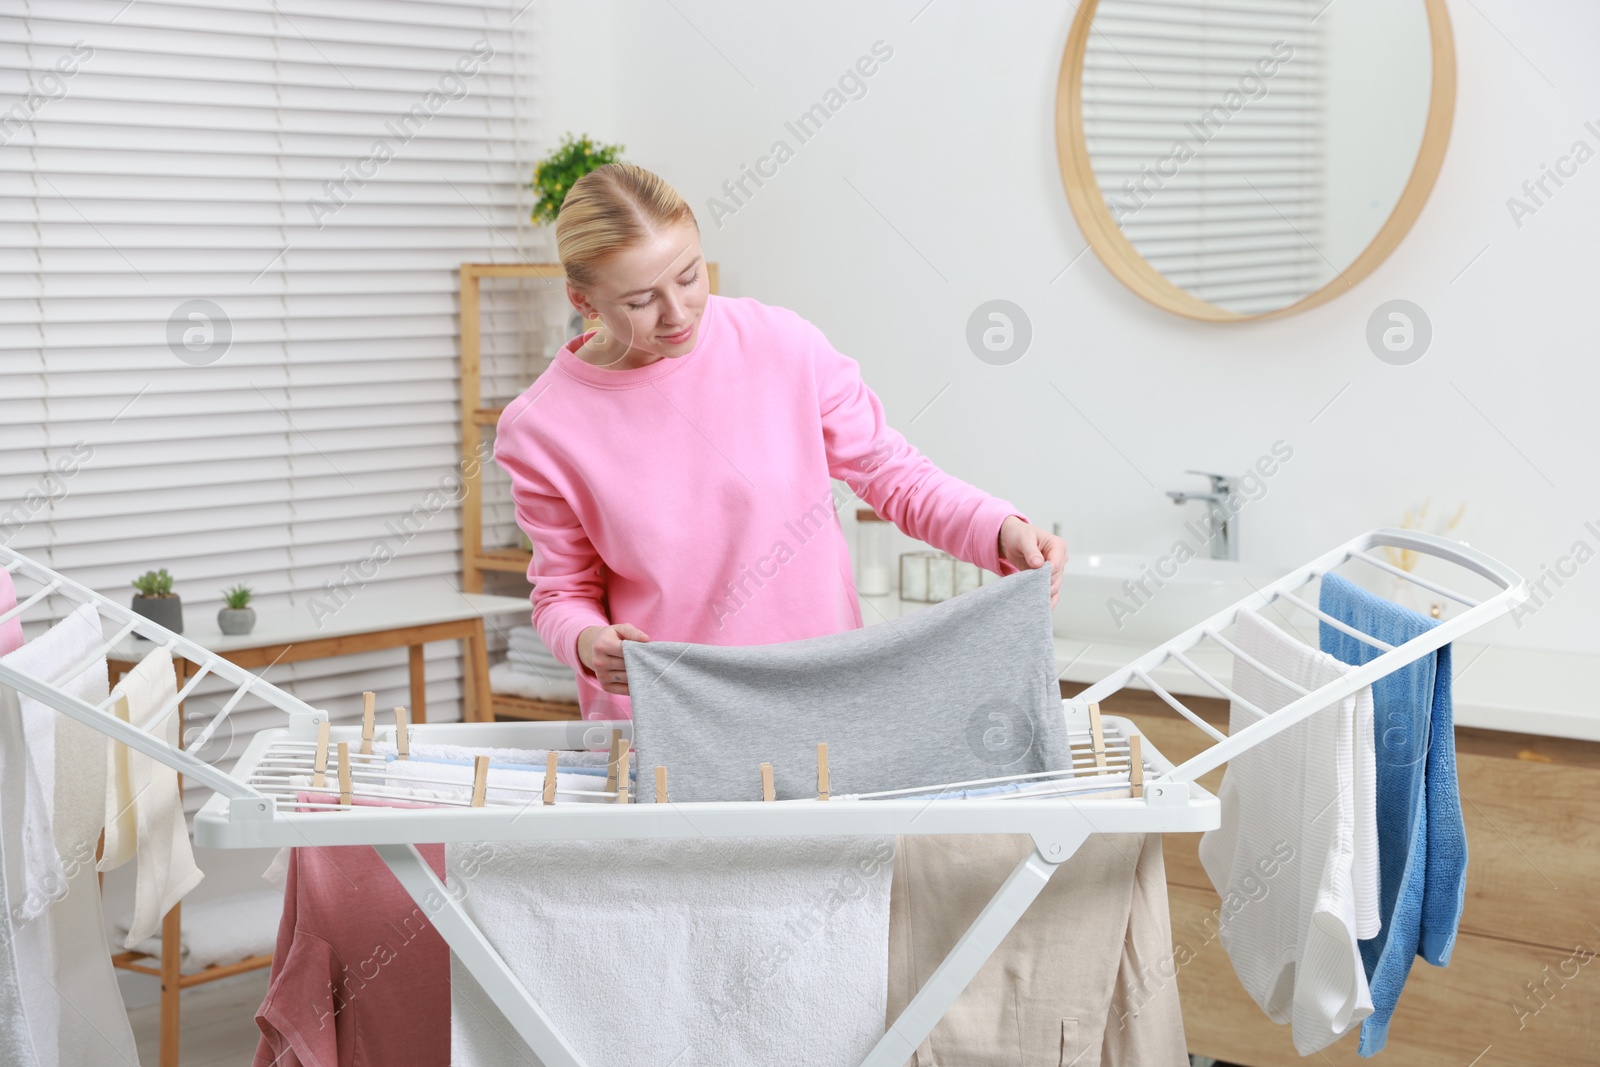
154	583
238	597
556	173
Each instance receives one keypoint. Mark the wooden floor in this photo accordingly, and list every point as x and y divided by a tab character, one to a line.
219	1023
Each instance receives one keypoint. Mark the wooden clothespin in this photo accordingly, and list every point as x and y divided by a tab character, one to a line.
661	785
402	737
767	792
622	775
344	773
550	778
1098	735
319	776
480	779
822	771
611	762
1136	764
369	702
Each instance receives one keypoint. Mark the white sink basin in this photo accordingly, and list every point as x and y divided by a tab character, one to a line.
1102	602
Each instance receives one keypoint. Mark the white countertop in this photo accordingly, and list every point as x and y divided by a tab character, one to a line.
1497	687
321	617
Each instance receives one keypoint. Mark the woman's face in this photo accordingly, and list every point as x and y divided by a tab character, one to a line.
650	296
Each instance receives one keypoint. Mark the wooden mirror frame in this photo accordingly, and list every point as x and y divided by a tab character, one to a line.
1124	261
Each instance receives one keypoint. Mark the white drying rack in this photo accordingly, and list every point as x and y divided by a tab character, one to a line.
245	811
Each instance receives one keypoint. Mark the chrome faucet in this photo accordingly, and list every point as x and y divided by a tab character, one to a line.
1224	532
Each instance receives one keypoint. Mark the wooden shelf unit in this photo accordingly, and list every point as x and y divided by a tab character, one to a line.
478	419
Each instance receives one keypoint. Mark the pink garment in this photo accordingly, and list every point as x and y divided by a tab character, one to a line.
11	631
360	978
691	497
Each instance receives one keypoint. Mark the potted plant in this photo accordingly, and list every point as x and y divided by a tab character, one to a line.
236	616
157	602
555	174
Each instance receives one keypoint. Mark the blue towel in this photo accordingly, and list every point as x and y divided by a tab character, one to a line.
1422	842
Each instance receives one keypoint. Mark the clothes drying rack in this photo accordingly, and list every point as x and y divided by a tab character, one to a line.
257	804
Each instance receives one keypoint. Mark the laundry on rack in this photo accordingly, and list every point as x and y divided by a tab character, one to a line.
220	930
1422	844
68	988
963	690
16	1035
695	951
597	770
1084	978
531	757
433	780
11	629
360	978
149	789
1290	805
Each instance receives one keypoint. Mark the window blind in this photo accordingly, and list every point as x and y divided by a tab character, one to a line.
229	241
1204	121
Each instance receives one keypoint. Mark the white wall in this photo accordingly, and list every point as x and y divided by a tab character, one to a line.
954	145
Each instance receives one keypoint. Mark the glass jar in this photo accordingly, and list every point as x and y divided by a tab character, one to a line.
872	554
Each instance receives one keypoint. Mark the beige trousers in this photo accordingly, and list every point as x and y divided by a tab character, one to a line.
1086	978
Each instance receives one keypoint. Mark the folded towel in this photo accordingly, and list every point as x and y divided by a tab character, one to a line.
70	990
434	781
963	690
538	664
167	870
1289	807
525	637
718	951
505	678
221	930
1422	842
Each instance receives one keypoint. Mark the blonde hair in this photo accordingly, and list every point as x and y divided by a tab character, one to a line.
609	209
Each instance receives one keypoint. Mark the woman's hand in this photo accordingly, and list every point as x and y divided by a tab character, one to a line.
1028	547
600	649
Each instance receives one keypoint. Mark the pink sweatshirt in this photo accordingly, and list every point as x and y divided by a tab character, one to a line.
691	497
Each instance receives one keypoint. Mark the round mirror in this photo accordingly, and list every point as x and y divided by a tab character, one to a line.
1243	159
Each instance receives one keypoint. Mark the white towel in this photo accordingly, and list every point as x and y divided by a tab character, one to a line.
535	664
506	678
432	781
696	952
525	637
1289	805
222	929
167	870
69	990
528	757
16	1033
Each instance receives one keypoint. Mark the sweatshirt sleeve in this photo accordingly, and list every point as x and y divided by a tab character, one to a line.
568	592
899	482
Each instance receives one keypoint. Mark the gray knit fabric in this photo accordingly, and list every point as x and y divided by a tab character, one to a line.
962	690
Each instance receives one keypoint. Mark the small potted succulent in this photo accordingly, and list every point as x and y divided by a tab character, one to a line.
157	602
236	616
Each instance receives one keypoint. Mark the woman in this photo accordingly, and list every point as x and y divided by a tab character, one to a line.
672	467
